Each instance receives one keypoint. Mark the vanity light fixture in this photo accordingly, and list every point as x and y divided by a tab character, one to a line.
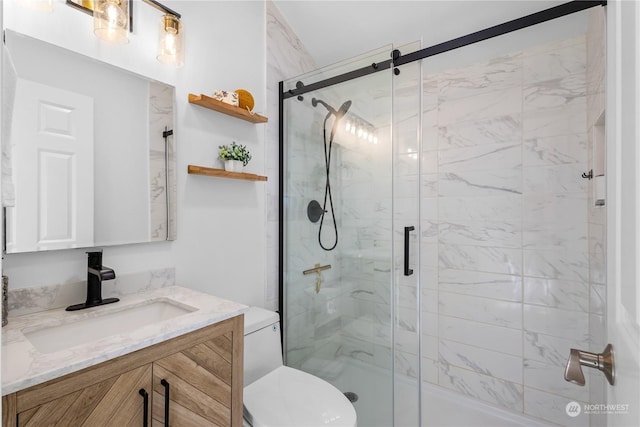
111	20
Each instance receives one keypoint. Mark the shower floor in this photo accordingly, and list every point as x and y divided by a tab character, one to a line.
374	389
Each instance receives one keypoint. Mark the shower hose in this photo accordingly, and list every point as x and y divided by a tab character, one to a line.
328	145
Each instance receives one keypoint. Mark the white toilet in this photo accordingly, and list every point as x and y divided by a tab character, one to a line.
279	396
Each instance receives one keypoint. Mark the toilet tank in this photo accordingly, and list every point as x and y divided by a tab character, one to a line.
262	347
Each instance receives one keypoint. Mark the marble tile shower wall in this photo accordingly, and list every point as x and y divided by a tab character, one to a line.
286	57
311	317
366	194
505	229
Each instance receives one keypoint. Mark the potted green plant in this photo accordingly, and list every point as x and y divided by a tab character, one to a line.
235	156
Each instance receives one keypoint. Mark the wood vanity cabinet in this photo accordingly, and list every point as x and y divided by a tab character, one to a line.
195	378
112	402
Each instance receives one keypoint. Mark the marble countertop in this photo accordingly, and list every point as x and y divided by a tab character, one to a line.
24	366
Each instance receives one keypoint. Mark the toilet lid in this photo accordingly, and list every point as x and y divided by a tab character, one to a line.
287	397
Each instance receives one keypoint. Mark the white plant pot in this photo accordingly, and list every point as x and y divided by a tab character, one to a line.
233	165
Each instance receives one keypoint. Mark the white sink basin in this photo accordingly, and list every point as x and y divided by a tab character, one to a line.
117	321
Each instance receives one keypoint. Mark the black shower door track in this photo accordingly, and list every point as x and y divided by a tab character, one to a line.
397	60
497	30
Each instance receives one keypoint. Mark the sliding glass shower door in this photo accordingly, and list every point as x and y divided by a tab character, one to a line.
338	235
407	149
519	277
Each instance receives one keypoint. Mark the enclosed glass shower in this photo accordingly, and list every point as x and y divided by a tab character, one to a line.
438	240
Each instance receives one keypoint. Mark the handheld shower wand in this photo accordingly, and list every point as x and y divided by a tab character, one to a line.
327	161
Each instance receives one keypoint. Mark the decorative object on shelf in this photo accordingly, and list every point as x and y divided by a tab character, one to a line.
245	99
233	165
235	156
225	96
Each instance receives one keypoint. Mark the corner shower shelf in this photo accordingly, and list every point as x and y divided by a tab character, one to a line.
201	170
224	108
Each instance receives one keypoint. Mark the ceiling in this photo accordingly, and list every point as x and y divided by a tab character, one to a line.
336	30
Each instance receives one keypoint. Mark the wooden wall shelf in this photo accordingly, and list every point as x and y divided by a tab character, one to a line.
201	170
224	108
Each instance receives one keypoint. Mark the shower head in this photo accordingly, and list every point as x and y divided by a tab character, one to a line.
341	111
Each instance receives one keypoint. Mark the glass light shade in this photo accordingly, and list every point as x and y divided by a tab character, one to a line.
39	5
171	42
111	20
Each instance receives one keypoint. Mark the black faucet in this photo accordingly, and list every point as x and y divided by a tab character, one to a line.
96	273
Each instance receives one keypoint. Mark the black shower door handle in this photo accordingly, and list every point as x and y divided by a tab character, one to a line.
407	270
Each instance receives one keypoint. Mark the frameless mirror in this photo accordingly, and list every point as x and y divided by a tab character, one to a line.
87	151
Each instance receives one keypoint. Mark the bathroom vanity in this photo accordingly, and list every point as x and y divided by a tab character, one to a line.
172	352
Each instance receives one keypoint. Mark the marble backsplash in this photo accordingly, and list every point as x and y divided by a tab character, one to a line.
35	299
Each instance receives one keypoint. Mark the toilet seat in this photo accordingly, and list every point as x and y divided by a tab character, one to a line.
287	397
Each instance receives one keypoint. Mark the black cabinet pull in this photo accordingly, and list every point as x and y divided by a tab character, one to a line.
407	270
165	383
145	402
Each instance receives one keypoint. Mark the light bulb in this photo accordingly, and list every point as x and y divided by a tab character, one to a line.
347	126
171	41
375	139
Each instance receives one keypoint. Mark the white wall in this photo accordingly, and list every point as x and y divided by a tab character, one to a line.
221	223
